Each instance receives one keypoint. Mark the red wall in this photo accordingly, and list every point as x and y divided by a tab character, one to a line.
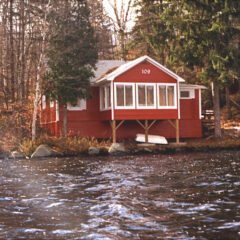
135	75
93	122
156	76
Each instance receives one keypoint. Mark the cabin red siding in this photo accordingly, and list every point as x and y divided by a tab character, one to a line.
135	75
95	123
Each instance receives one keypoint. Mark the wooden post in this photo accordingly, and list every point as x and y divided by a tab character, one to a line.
146	131
177	131
114	131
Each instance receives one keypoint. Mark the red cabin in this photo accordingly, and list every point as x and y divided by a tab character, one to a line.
139	96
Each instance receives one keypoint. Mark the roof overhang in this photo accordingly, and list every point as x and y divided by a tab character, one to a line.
191	86
125	67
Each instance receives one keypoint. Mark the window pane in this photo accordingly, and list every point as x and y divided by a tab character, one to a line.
120	95
150	96
162	96
171	96
128	96
141	95
185	94
78	103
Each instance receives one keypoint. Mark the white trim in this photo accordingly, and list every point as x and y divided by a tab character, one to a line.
48	122
175	96
44	103
83	106
57	111
112	100
154	96
178	98
200	104
125	67
51	104
133	95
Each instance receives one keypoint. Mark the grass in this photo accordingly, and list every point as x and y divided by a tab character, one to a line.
68	146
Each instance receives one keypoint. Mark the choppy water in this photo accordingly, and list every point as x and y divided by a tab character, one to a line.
181	196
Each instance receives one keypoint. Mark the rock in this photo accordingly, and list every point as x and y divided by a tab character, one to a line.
3	155
103	151
117	148
45	151
17	155
148	150
93	151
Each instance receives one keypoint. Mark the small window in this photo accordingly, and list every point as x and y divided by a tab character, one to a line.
167	95
124	95
146	95
44	102
187	94
51	104
81	105
105	97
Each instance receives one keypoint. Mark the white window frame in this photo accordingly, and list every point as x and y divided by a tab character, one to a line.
105	87
44	103
51	104
154	96
191	93
133	96
175	95
83	106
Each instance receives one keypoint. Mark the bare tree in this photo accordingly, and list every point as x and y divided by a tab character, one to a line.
39	68
122	12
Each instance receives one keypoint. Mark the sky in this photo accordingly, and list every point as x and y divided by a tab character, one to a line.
109	10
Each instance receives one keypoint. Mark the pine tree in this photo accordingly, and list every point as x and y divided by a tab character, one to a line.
207	34
71	54
197	34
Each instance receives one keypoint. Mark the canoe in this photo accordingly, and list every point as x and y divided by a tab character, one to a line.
151	139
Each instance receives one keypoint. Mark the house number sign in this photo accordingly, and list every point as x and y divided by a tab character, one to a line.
146	71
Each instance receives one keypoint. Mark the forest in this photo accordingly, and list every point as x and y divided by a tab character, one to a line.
199	40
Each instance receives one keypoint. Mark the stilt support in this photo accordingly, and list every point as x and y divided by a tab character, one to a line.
115	126
176	126
146	127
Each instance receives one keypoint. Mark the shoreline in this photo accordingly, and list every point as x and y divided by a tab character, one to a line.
172	148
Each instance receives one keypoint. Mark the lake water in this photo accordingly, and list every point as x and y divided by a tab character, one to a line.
180	196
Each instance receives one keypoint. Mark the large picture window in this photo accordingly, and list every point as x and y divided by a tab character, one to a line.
146	95
124	95
105	97
167	96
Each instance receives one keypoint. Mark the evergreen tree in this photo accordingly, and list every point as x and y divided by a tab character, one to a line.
71	54
152	34
198	34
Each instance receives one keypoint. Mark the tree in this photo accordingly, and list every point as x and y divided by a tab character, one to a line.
122	11
103	29
204	31
151	33
71	54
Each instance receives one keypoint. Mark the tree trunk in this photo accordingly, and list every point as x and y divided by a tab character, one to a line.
65	121
12	62
22	84
228	105
216	109
38	79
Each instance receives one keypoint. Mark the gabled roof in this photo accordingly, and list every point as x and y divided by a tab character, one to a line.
103	66
125	67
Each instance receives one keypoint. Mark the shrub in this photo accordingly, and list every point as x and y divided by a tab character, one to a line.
68	146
